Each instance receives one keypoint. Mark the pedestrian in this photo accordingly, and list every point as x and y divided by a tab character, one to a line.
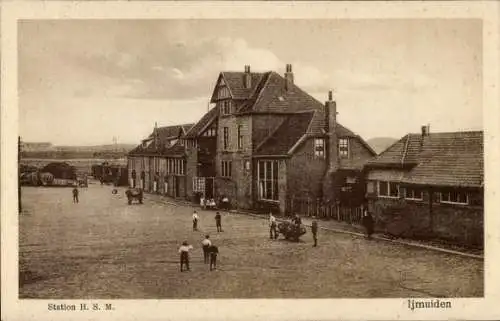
297	220
314	230
214	251
273	234
75	195
206	243
368	222
184	252
195	221
218	223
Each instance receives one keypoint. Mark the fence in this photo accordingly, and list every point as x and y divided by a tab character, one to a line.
322	210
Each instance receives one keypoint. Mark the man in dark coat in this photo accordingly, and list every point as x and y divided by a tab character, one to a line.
368	222
314	230
214	251
75	195
218	222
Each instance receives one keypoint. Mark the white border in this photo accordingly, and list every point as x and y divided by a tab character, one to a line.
381	309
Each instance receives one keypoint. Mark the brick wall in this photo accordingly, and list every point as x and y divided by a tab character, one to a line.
305	172
357	152
191	170
462	224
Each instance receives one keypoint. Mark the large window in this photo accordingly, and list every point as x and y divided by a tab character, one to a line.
413	194
454	197
226	138
388	189
267	173
175	166
344	147
240	137
319	148
225	107
226	168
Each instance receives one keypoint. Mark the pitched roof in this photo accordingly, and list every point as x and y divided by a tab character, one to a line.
235	81
286	135
445	159
197	128
170	132
160	146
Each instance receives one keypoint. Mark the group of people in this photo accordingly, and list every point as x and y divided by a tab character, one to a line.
210	252
218	221
367	221
207	203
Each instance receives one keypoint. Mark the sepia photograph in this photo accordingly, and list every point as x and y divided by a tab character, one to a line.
249	158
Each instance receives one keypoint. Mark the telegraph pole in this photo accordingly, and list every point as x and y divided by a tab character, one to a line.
19	174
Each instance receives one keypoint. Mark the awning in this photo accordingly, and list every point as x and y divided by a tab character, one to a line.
386	175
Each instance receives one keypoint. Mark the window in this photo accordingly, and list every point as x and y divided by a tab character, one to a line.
388	189
225	107
240	137
226	138
454	197
344	147
210	132
413	194
267	173
223	92
175	166
319	148
226	168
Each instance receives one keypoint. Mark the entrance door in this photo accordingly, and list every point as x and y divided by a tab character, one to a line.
177	186
209	188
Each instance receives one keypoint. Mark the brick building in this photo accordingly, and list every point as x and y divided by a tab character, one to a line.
158	164
430	185
266	139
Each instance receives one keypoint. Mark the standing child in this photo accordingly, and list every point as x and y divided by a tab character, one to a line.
314	230
206	243
75	195
214	251
195	221
184	252
273	234
218	223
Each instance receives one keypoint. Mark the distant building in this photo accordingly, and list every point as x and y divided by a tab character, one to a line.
158	163
431	185
35	146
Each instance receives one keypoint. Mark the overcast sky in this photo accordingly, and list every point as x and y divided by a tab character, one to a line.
83	82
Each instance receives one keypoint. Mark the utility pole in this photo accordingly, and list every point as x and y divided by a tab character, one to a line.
19	174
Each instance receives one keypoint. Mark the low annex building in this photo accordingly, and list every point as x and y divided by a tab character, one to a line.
430	185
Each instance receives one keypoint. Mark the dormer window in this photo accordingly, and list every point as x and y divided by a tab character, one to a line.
225	107
211	132
344	147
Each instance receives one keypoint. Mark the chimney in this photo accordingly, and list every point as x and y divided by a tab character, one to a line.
156	135
248	77
288	77
330	128
426	130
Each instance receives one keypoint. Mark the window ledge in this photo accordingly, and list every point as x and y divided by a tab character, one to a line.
389	197
454	203
414	199
268	201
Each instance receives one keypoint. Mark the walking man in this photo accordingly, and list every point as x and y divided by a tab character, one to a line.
195	221
214	251
75	195
314	230
184	252
218	223
273	234
206	243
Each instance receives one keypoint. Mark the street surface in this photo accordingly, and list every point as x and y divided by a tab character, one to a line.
102	248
